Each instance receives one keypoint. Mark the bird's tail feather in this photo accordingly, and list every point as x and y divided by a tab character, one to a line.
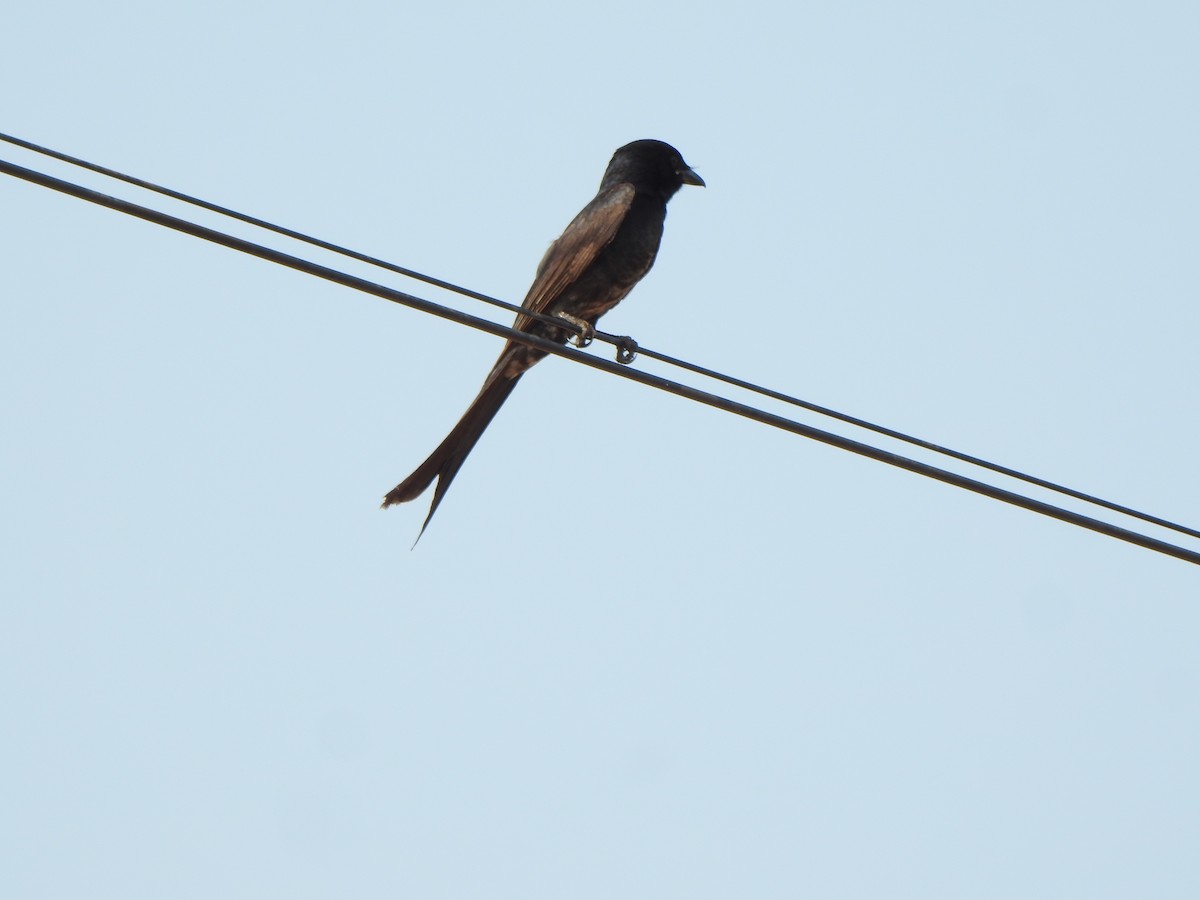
444	462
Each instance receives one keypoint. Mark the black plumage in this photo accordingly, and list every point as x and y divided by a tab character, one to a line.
603	253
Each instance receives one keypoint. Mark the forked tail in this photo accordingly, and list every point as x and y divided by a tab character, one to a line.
444	462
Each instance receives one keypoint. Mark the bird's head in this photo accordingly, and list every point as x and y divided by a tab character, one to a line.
651	167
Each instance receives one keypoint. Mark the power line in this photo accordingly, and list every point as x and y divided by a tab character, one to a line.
298	236
637	375
623	344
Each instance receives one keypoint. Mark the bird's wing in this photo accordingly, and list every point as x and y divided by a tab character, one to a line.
577	248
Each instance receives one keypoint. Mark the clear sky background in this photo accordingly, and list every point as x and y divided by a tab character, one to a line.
646	649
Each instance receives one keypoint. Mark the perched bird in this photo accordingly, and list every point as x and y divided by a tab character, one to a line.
604	252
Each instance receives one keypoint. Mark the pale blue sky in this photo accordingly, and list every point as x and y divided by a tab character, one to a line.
645	649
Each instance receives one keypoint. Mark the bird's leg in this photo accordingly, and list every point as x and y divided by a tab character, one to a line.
627	350
586	331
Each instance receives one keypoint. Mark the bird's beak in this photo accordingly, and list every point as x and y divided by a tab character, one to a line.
687	176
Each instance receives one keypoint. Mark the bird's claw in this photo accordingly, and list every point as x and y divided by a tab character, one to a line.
627	350
585	334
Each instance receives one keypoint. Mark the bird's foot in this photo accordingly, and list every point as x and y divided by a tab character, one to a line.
627	350
586	332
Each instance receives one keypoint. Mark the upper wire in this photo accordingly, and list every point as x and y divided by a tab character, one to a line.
664	384
619	341
303	238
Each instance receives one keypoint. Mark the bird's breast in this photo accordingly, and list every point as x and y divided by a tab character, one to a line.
620	265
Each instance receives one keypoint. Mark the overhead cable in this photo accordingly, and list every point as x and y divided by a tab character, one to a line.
622	343
605	365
